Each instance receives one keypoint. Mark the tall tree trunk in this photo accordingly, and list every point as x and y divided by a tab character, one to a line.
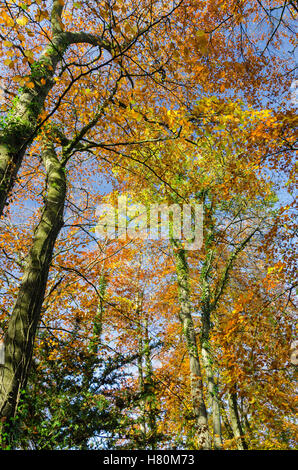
20	335
212	387
185	316
209	303
141	371
141	389
206	352
235	422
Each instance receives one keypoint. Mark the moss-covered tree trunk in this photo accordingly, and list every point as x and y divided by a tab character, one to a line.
185	316
22	121
211	385
20	334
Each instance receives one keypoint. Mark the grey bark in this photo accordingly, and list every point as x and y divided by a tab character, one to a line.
206	351
225	420
212	394
140	365
151	403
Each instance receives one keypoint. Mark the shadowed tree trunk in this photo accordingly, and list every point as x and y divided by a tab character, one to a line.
235	422
152	410
209	302
20	334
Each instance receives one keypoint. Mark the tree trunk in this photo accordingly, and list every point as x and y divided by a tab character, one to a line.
205	345
235	422
213	394
20	335
185	316
22	120
225	420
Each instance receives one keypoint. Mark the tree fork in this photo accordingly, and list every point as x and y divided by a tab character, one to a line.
22	121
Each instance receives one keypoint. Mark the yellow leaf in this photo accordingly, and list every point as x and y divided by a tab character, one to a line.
22	21
202	41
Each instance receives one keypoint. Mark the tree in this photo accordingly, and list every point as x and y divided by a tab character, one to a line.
25	115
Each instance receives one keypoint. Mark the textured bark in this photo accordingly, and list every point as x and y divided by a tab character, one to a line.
206	352
212	395
20	335
209	302
225	420
196	384
22	119
235	422
141	373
